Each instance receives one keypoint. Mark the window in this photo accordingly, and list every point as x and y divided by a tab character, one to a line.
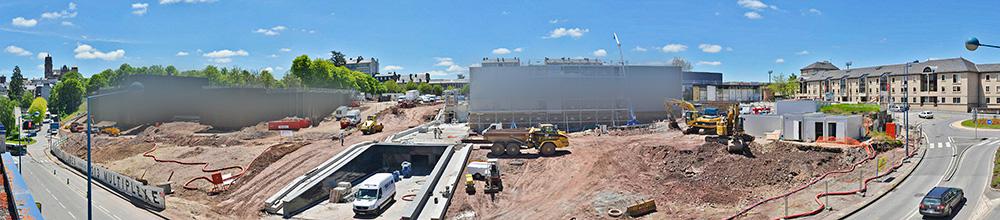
956	89
987	101
998	88
956	100
943	77
942	88
942	99
914	99
998	100
954	78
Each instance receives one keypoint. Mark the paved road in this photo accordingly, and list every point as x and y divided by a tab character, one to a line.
945	148
69	201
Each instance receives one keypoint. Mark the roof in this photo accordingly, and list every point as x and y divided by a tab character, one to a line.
994	67
943	65
376	179
937	192
821	65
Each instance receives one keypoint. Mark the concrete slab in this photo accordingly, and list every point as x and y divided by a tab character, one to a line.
450	179
452	134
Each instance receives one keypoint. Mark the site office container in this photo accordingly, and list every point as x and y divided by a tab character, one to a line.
289	124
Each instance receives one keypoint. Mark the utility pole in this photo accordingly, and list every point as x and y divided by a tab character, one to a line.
906	101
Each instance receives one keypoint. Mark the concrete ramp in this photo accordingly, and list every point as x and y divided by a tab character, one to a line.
288	200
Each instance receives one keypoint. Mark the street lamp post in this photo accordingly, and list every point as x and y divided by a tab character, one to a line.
906	111
135	87
973	43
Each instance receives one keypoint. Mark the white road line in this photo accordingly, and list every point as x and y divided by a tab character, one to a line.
103	209
47	190
949	144
61	204
71	215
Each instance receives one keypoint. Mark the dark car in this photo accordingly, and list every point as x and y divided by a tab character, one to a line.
941	201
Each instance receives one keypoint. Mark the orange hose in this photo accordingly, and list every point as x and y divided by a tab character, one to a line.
203	169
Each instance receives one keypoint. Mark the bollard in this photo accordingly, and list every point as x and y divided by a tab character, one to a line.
828	207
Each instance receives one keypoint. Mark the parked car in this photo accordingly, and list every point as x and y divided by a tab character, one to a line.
941	201
374	194
926	114
899	107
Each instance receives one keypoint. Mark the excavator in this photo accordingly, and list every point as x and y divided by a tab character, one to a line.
729	131
696	121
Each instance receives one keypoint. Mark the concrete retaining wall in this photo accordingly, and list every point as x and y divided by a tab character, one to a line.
760	125
152	196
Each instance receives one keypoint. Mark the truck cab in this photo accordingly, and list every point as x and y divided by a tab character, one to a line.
374	194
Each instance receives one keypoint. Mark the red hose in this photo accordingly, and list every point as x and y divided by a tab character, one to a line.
868	150
203	169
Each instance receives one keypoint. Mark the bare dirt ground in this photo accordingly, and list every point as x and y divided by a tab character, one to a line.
279	159
687	178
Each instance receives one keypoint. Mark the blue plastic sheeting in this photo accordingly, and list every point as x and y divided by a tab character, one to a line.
18	190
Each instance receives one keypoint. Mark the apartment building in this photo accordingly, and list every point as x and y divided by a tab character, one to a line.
954	84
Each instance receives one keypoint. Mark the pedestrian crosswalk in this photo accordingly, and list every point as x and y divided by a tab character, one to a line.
939	145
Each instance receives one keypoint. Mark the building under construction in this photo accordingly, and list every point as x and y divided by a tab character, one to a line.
574	94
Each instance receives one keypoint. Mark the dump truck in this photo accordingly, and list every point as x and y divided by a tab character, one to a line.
370	126
111	131
546	138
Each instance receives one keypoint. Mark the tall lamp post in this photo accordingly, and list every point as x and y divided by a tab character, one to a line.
135	87
906	102
973	43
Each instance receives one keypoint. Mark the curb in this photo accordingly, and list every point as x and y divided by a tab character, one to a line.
890	189
990	194
958	125
96	183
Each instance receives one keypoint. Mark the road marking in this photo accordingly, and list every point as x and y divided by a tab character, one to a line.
47	190
949	144
71	214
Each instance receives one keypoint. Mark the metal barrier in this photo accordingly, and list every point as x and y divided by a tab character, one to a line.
153	196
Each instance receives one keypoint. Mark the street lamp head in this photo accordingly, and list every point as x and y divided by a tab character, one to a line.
972	44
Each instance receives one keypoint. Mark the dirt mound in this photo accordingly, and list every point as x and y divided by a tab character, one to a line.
688	178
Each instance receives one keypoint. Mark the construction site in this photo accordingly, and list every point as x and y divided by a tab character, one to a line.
652	156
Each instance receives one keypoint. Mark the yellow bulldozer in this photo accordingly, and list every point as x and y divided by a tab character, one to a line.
725	129
370	126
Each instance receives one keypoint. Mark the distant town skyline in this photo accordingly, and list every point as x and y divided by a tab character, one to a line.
741	38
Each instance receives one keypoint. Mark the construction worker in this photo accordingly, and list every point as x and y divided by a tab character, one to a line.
341	138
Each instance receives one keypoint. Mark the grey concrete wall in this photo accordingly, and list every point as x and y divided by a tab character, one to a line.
846	126
165	99
575	96
795	107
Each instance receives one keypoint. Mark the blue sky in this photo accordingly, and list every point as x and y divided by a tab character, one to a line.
741	38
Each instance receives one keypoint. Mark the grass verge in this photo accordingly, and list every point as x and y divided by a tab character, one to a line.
969	124
995	182
25	141
849	109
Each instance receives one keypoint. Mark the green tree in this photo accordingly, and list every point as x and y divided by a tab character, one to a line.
438	90
171	70
67	96
465	89
38	109
97	82
267	79
425	88
15	88
784	86
7	117
25	100
337	58
392	86
681	62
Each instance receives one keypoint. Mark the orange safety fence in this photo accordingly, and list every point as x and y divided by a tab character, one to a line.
836	140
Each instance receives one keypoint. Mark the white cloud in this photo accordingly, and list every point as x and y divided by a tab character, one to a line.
273	31
183	53
501	51
456	69
42	55
674	48
66	23
437	73
753	15
70	12
710	48
444	61
556	21
273	56
562	32
640	49
815	11
17	51
710	63
518	49
87	52
72	6
392	68
221	60
226	53
167	2
285	49
779	60
752	4
23	22
804	52
600	53
268	69
140	8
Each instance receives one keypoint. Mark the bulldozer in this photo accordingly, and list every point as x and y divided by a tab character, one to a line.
371	125
729	131
697	122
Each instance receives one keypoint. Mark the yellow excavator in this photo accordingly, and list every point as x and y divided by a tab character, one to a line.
697	122
729	131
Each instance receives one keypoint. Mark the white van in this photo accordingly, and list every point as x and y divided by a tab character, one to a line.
374	194
339	113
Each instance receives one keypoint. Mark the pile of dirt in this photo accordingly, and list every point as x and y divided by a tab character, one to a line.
688	178
265	159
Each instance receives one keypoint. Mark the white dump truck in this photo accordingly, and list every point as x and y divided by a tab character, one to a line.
374	194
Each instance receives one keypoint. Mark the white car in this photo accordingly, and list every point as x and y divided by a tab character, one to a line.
926	114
